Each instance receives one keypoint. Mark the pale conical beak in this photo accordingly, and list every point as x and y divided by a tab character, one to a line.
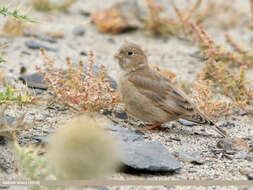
117	56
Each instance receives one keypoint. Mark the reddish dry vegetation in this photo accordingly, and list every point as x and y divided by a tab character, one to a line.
224	72
79	88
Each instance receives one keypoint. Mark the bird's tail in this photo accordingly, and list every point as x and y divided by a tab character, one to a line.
203	119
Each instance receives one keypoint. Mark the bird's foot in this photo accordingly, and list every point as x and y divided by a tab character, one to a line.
155	125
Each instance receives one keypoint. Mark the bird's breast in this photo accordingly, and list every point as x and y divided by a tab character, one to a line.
139	105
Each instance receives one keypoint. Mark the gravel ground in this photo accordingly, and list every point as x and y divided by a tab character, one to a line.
173	54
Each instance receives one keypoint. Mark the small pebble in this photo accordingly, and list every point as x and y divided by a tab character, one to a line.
193	158
78	31
121	115
83	53
186	122
37	45
241	112
240	155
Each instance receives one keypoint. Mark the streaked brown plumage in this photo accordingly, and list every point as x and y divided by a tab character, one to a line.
151	97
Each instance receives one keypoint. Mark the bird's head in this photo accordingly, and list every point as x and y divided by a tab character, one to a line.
131	57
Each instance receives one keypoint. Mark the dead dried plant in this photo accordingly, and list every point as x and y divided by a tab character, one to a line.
165	26
162	25
79	87
207	101
226	80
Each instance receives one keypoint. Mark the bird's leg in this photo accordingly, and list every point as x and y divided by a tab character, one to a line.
155	125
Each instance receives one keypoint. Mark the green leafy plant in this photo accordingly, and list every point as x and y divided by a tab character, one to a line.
33	165
2	60
6	12
13	95
16	15
10	95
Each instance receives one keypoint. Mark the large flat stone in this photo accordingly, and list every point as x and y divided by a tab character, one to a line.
147	156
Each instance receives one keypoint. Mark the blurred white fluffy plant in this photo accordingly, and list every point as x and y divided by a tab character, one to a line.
82	149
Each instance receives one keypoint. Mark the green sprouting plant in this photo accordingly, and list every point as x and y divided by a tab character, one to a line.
6	12
33	166
15	14
2	60
13	95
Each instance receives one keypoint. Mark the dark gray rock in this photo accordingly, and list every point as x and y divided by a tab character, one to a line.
35	80
185	157
186	122
124	134
3	141
121	115
147	156
250	176
137	154
78	31
37	45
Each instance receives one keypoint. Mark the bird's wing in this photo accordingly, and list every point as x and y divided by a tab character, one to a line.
167	97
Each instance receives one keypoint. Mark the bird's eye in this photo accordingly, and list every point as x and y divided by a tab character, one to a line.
130	53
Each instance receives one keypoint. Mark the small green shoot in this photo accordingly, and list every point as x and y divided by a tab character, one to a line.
13	95
6	12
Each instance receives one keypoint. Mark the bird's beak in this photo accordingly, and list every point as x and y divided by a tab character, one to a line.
117	56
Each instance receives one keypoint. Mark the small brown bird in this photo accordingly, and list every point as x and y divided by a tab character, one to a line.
151	97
